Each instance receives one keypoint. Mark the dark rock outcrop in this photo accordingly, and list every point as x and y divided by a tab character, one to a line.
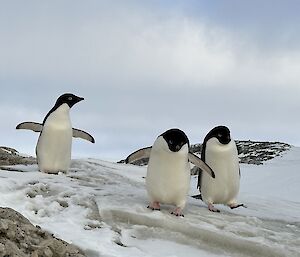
10	156
259	152
250	152
19	238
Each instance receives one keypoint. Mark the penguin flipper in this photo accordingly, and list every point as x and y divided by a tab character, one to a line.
201	164
34	126
199	180
139	154
82	134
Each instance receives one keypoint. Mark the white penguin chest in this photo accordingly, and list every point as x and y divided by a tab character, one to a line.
168	177
58	124
55	142
224	162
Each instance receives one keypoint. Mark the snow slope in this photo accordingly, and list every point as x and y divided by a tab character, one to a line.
101	207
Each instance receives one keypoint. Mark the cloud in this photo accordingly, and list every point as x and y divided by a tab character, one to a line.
146	67
133	49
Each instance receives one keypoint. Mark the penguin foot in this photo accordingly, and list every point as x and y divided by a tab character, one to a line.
212	208
51	172
155	206
234	206
177	212
153	209
197	196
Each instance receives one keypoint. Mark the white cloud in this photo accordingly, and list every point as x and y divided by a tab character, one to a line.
143	69
138	48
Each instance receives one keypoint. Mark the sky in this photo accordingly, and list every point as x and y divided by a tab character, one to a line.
146	66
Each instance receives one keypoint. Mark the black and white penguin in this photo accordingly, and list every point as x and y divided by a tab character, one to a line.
53	149
168	172
219	151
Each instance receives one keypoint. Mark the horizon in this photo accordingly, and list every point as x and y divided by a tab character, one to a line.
119	158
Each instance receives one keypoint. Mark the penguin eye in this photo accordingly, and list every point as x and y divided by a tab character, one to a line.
219	135
70	98
170	141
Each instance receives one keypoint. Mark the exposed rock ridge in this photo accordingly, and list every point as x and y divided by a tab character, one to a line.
19	238
250	152
10	156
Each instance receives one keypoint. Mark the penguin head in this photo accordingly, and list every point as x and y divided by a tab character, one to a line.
175	139
221	133
68	99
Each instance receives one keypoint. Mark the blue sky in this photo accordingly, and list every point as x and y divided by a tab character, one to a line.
146	66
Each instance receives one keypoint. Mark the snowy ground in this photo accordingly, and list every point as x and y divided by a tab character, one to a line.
101	207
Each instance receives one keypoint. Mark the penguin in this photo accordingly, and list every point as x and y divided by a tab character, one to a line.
53	149
168	171
219	151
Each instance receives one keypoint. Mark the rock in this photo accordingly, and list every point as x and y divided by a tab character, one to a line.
250	152
254	152
20	238
10	156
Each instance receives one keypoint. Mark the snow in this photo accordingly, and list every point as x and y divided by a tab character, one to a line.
101	207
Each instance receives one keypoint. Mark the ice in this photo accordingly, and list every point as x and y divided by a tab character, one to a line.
101	207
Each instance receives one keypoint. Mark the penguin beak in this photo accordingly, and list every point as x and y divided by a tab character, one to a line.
79	99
